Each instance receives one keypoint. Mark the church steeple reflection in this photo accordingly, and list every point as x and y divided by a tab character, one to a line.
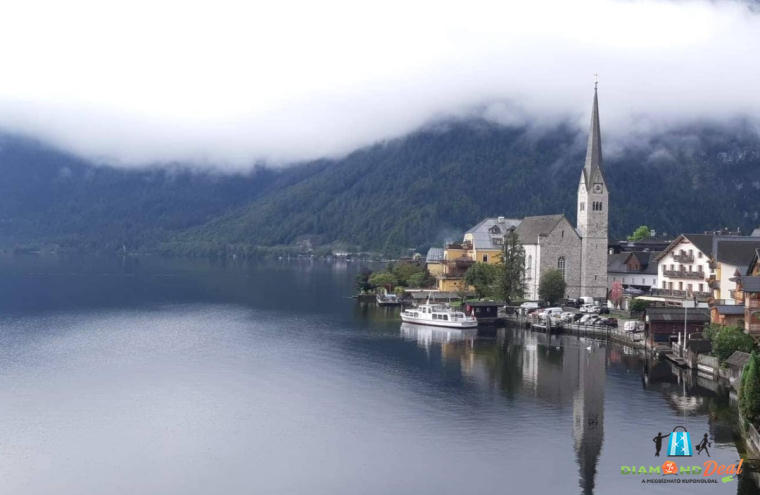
588	411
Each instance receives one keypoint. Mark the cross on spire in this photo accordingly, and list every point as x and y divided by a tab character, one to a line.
596	80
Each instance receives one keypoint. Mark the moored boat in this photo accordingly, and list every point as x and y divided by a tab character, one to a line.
388	300
438	315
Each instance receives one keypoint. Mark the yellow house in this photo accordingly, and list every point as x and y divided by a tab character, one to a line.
481	244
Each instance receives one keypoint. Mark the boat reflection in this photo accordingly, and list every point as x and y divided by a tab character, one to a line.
425	335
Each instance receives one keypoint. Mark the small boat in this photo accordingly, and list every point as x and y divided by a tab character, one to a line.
438	315
388	300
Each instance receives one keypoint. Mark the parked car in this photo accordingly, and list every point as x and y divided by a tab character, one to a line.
612	322
573	303
604	310
590	308
587	319
567	316
586	300
578	316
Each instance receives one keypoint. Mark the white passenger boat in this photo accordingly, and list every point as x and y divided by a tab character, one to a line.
438	315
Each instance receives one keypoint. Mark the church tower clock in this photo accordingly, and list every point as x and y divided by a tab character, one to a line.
593	210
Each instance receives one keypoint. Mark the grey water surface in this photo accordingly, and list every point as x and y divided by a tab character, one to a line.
152	376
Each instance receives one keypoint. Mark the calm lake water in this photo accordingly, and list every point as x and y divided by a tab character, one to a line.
185	377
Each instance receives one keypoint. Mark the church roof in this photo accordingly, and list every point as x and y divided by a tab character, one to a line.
532	227
593	166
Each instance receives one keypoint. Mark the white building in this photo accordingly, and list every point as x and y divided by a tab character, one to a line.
702	266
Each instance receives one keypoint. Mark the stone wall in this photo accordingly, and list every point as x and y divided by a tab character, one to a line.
563	241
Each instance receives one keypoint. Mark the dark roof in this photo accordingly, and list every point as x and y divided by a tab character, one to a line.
731	309
647	259
532	227
735	252
616	262
677	315
751	284
738	359
485	303
702	242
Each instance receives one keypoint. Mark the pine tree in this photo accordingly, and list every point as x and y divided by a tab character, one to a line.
511	283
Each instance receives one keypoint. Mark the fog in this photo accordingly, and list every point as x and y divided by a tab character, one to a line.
230	84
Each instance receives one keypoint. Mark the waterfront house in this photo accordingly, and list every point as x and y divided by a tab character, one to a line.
665	324
634	270
702	266
481	244
749	288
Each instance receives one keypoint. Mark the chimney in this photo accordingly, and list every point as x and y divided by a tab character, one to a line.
501	219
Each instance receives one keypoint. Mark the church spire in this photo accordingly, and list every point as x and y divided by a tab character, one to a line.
594	150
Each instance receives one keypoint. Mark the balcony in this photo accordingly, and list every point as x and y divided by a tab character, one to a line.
683	274
680	293
450	276
714	284
684	258
461	262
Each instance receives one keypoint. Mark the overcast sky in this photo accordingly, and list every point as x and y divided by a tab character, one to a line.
230	83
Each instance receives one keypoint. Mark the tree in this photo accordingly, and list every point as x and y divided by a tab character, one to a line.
730	339
639	305
510	284
616	294
482	276
552	286
749	392
405	271
639	233
362	281
419	279
383	279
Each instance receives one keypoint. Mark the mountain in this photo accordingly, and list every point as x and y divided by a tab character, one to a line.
410	192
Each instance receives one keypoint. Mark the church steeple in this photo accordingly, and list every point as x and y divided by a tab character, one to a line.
592	171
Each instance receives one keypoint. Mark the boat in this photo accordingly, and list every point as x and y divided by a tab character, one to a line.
387	300
438	315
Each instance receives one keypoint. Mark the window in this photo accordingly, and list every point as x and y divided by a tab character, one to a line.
495	230
680	285
700	288
485	258
530	262
583	206
623	279
563	233
561	265
663	284
699	254
498	241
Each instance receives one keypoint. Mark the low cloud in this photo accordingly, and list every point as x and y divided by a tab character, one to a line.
280	82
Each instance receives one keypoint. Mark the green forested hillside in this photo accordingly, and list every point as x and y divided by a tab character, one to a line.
411	192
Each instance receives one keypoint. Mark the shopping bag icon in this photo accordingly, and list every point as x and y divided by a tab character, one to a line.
680	443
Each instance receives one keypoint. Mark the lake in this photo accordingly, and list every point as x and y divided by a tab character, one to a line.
154	376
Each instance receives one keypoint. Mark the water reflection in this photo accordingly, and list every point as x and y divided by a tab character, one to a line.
426	335
566	371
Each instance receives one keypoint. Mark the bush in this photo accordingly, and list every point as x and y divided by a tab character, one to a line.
482	277
638	305
749	392
728	340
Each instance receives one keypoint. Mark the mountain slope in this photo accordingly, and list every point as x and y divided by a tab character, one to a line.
435	184
411	192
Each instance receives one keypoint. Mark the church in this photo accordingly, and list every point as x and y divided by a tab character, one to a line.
550	241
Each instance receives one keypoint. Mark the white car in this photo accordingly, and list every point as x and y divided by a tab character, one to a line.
590	308
567	316
588	319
